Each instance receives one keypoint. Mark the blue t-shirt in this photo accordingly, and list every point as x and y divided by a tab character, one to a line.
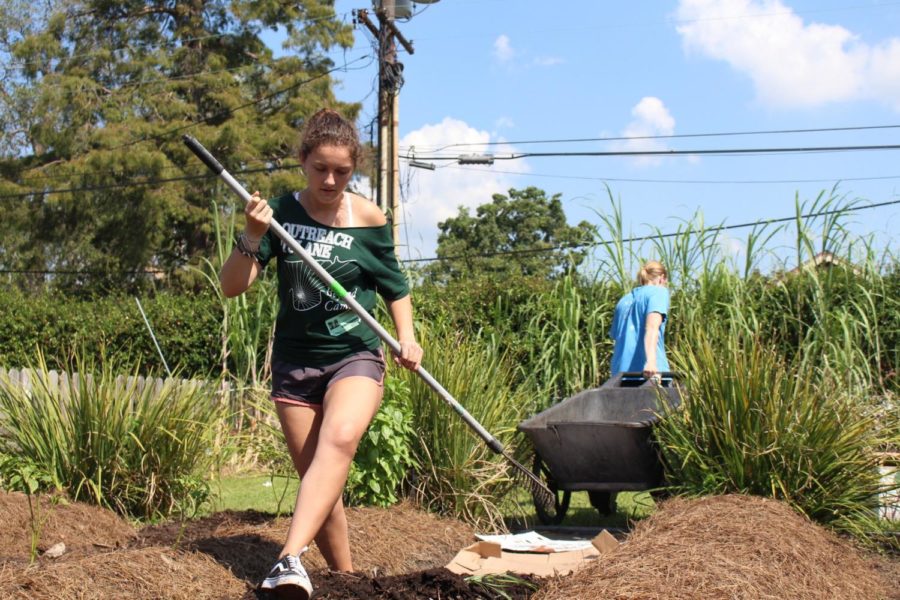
629	326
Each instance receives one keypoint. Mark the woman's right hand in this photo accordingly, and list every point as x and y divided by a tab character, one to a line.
650	372
259	215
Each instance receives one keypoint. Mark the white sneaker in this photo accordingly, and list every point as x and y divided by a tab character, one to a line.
288	575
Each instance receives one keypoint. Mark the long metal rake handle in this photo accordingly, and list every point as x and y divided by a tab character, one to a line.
492	442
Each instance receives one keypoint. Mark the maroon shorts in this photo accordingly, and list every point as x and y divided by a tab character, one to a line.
296	384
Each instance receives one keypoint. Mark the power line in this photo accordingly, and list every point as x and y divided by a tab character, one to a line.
171	43
168	43
715	151
119	186
573	246
677	181
848	209
668	137
225	113
128	86
167	134
742	151
76	272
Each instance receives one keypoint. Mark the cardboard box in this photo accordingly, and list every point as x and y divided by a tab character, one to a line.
485	557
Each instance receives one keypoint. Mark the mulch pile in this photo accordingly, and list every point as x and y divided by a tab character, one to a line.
399	540
82	528
398	553
731	547
726	547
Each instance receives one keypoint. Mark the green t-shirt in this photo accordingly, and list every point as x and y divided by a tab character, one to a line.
314	328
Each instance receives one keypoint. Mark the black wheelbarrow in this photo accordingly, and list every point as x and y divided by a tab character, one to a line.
600	441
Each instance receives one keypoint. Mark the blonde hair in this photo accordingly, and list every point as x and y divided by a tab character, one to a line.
328	127
650	270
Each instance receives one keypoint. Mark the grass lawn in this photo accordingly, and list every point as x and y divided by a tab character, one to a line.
251	491
629	507
254	492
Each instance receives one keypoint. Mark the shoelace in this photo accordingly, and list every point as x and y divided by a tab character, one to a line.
293	562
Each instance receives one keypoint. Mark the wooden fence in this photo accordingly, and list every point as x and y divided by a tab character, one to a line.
61	384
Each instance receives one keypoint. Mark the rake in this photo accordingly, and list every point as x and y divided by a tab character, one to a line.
537	487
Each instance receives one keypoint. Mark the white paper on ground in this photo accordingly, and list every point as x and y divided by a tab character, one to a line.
530	540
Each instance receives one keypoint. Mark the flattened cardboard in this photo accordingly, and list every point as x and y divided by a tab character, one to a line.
605	542
482	558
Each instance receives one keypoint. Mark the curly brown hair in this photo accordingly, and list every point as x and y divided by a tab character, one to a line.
328	127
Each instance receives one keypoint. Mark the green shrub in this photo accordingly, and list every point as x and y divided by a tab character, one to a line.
142	450
384	457
186	326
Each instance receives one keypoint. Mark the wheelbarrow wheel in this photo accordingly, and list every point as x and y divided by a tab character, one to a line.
604	502
561	498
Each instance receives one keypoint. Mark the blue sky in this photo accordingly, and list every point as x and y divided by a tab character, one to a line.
505	72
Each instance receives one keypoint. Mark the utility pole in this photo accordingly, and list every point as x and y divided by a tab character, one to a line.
390	80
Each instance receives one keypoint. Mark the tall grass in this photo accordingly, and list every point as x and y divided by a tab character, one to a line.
459	474
755	423
569	330
249	318
104	439
248	322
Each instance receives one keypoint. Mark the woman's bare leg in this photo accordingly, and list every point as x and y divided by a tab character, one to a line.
322	442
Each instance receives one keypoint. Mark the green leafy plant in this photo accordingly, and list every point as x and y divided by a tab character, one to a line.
384	458
22	475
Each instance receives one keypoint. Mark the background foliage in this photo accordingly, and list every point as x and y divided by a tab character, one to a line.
96	183
791	376
524	234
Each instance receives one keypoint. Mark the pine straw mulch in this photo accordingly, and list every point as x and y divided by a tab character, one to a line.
398	553
392	541
84	529
723	547
732	547
152	572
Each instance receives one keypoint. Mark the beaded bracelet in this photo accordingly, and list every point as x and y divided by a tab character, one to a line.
246	247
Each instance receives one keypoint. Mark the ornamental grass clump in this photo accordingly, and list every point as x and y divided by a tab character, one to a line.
753	422
458	473
141	447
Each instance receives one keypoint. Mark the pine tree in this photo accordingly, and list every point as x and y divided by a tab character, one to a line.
94	99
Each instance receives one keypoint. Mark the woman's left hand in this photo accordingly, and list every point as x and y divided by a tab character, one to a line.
410	356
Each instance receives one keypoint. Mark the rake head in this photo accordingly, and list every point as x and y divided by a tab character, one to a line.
539	490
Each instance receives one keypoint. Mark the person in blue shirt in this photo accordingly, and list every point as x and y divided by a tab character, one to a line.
639	325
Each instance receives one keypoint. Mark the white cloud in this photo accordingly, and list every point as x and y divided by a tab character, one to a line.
792	63
548	61
503	50
510	57
434	196
650	118
504	123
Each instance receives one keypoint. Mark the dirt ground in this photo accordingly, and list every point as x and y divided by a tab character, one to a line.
722	547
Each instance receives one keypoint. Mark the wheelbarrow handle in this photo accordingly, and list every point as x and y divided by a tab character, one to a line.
663	374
